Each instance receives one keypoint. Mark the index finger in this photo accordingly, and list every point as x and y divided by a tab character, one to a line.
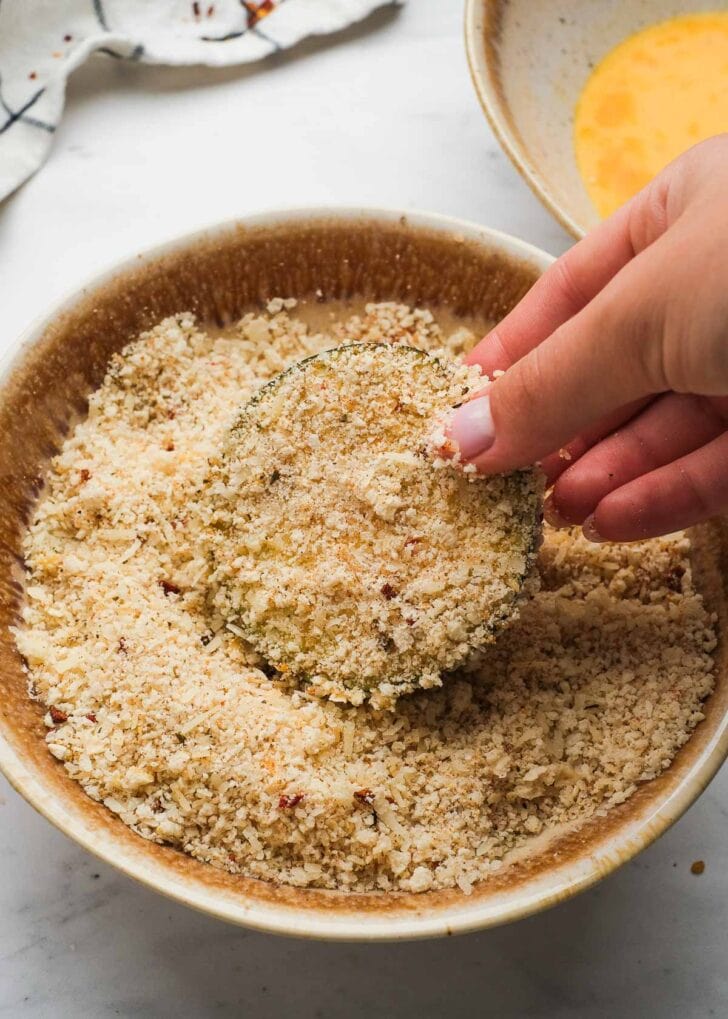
571	283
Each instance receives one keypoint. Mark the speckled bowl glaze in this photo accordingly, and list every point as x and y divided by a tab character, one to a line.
529	60
219	274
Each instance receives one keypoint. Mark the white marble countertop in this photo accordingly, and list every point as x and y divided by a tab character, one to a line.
382	115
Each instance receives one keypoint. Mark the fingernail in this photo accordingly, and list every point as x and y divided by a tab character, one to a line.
552	515
589	529
472	427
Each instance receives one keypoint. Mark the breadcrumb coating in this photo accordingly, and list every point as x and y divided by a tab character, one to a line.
344	553
160	709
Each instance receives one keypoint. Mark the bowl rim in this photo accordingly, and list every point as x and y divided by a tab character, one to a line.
484	75
552	886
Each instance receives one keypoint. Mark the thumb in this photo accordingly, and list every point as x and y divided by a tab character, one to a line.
605	356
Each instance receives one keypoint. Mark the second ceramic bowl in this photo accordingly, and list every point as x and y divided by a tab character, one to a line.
530	60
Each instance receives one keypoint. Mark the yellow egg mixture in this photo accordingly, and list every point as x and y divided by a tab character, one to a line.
652	97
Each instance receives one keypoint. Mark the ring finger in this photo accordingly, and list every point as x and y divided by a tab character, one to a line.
668	429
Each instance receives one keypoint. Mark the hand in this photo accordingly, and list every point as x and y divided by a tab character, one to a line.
617	365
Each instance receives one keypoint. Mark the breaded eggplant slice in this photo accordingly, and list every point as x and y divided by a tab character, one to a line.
347	556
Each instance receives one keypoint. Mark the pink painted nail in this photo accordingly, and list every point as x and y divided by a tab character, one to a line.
472	427
589	529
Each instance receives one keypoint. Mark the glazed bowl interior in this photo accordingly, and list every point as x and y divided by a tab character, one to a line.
530	60
421	260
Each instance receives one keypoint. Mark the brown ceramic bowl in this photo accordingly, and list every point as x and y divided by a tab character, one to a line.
530	60
427	260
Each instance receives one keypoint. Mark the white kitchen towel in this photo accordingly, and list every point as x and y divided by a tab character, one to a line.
42	41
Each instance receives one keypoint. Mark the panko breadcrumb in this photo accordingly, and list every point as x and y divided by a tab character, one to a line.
345	554
163	713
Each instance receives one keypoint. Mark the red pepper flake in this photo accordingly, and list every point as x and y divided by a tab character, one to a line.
168	587
32	75
91	716
388	591
196	9
210	10
85	475
289	802
122	646
168	445
364	796
257	10
412	542
57	715
697	867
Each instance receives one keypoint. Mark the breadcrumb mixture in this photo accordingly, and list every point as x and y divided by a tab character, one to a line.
346	555
161	711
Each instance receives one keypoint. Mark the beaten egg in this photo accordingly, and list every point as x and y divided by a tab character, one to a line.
652	97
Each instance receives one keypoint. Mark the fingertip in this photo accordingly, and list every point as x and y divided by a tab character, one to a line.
591	532
629	513
580	488
551	513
